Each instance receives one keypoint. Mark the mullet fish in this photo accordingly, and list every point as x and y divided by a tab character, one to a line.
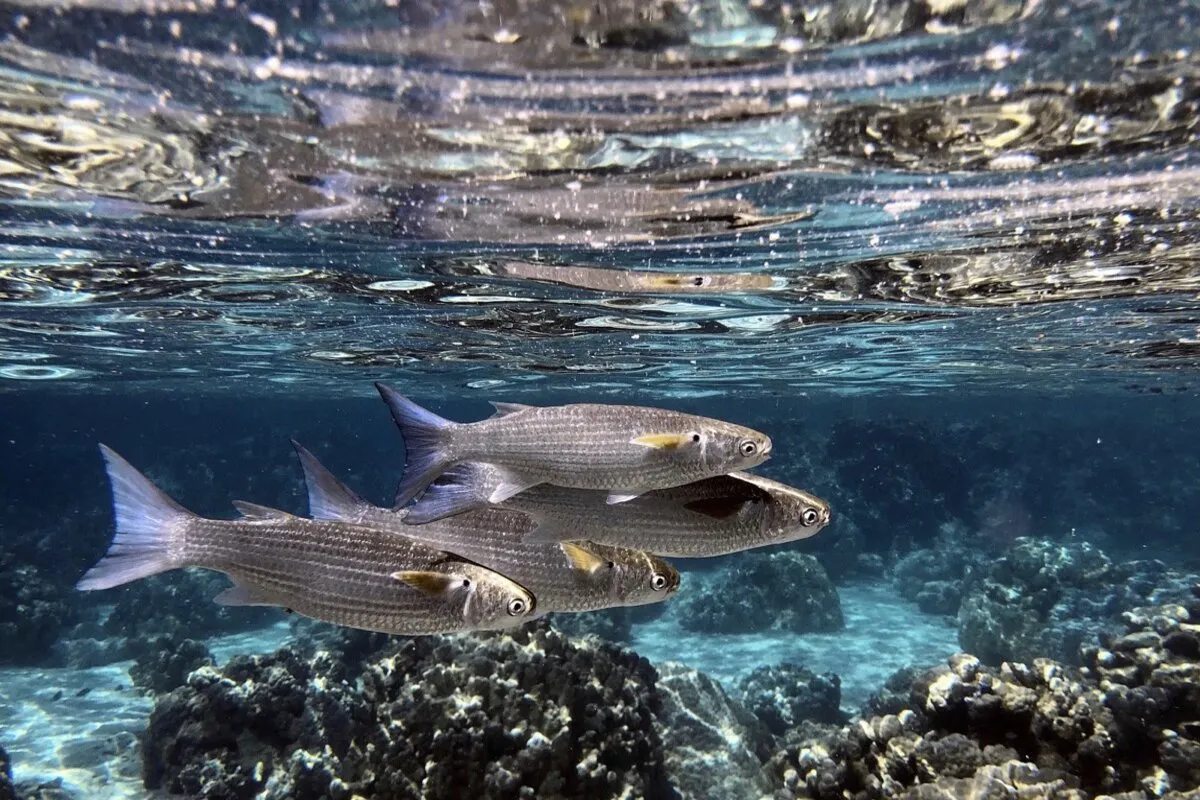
712	517
580	576
623	450
346	574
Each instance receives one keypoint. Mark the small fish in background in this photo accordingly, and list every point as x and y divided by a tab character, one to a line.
570	577
623	450
349	575
712	517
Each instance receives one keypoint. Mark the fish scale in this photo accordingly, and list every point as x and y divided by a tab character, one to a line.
335	568
493	538
329	570
711	517
624	450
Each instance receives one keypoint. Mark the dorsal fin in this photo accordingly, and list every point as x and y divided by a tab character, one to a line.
504	409
254	511
328	498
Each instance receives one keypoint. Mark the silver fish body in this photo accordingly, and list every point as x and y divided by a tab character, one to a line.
564	577
712	517
346	574
623	450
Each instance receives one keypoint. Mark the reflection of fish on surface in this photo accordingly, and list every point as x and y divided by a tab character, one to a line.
712	517
564	577
604	279
624	450
346	574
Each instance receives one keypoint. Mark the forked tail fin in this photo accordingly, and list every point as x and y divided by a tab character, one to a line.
425	435
463	487
148	529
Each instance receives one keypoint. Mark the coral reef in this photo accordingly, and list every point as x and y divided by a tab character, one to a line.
1125	726
760	591
34	611
1047	599
179	605
527	713
1150	677
7	790
613	624
893	696
786	695
714	747
169	664
935	578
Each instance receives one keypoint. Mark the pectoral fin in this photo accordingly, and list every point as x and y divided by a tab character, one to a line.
583	560
716	507
614	499
243	594
434	584
662	441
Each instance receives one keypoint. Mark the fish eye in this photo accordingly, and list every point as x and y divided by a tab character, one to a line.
696	438
466	583
516	607
658	582
612	565
810	517
748	447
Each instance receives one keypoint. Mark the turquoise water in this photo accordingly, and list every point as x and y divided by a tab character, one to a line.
943	253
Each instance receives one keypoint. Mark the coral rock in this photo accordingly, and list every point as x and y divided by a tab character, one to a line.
521	714
715	748
760	591
786	695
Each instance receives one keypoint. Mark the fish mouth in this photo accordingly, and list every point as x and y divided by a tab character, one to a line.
826	515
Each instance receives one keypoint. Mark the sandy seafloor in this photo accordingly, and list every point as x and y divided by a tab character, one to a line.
89	740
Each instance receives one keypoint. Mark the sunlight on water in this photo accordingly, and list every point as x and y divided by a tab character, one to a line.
899	196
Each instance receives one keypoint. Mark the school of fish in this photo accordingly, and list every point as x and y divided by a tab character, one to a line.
537	509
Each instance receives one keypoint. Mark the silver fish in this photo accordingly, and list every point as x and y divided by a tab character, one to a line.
712	517
580	576
624	450
350	575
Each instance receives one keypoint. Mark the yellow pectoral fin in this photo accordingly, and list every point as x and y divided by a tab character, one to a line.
431	583
662	441
583	560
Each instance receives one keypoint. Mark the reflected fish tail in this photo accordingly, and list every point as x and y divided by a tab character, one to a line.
425	438
150	526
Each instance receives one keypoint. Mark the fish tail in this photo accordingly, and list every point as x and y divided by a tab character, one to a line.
328	498
425	438
457	490
148	538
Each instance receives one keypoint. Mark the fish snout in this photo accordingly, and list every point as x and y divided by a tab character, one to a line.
826	515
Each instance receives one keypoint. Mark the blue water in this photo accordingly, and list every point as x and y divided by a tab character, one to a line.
944	254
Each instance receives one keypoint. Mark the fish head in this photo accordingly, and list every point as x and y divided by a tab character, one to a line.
640	578
491	601
726	447
793	513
